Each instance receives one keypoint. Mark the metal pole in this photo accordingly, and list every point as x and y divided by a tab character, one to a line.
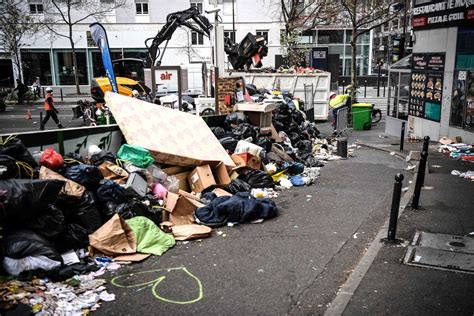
343	86
397	193
61	90
365	88
43	92
426	143
233	20
384	84
402	136
419	180
41	120
378	81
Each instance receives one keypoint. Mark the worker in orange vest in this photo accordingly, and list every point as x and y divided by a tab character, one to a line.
50	109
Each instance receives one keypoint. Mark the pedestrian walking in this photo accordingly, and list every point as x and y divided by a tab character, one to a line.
22	89
37	88
51	111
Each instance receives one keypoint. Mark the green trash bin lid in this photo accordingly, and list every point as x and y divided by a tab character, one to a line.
362	105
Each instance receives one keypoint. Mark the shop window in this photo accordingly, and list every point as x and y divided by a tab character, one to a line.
65	70
361	39
36	6
330	37
36	64
141	6
263	33
230	34
197	38
197	4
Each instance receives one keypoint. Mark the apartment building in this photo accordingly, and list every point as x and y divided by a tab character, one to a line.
49	56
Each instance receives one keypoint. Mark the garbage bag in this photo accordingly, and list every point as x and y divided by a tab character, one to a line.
26	243
84	213
235	118
251	88
219	132
8	167
257	179
136	155
74	237
86	175
229	143
113	172
15	148
265	143
239	208
23	199
70	187
51	159
238	185
297	181
101	157
159	191
305	146
149	237
294	167
72	159
109	191
131	209
17	266
49	222
244	131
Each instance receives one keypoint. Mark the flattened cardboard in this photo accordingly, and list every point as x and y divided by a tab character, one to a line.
175	170
220	174
221	192
188	232
172	137
183	181
247	160
255	107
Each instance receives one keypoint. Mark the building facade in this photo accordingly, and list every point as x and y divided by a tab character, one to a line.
49	56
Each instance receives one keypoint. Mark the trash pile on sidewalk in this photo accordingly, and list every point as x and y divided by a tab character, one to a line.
68	219
456	149
466	175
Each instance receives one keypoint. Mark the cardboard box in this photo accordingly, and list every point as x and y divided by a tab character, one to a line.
205	176
172	137
247	160
220	192
183	181
179	208
259	114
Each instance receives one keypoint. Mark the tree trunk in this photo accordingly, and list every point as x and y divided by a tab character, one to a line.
74	62
16	61
353	66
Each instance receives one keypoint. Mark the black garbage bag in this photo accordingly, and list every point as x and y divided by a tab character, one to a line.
229	143
15	148
110	191
304	146
219	132
251	88
265	143
131	209
244	131
294	138
311	131
279	126
238	185
257	179
239	208
235	118
8	167
297	116
84	212
74	237
24	243
49	222
310	161
86	175
99	158
23	199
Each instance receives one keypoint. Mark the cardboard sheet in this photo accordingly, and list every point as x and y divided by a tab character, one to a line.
172	137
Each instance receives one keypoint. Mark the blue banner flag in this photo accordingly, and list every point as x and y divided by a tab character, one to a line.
99	35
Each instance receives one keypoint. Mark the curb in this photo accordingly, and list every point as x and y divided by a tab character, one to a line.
347	290
397	154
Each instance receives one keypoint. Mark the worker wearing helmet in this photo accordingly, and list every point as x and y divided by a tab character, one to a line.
51	111
135	94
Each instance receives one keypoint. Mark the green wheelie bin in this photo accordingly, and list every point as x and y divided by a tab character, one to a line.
362	116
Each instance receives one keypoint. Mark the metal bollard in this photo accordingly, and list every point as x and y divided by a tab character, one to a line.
365	88
61	90
384	83
41	120
420	178
43	92
342	147
426	143
402	136
397	194
343	86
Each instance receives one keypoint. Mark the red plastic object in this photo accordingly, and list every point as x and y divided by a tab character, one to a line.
51	159
468	158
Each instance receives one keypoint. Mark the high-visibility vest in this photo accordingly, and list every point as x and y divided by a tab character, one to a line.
47	107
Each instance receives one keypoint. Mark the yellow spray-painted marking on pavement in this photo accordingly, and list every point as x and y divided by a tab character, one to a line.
157	281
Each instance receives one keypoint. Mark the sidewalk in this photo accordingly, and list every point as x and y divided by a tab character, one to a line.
390	287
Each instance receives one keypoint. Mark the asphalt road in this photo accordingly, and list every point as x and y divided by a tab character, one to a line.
293	264
13	120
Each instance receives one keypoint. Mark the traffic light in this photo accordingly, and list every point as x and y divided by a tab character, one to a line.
398	48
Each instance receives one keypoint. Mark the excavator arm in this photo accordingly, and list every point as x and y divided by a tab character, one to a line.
190	18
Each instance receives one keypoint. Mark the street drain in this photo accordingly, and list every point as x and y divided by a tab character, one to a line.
441	251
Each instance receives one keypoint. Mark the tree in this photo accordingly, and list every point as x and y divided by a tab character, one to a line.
300	16
186	46
73	12
14	26
363	16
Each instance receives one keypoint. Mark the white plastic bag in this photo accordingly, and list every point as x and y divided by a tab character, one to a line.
17	266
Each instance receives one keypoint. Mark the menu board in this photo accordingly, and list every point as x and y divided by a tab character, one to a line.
426	86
